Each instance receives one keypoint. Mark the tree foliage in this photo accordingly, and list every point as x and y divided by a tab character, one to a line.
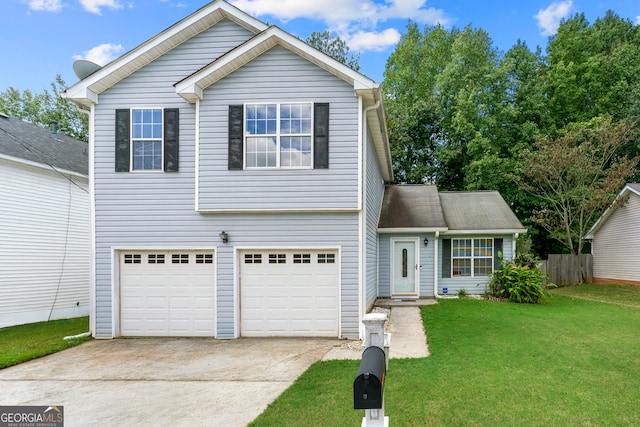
577	175
46	107
466	116
335	47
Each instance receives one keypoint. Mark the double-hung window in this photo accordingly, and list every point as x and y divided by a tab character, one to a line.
147	139
146	147
472	257
279	135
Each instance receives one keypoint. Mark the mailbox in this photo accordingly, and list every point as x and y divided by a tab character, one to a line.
368	387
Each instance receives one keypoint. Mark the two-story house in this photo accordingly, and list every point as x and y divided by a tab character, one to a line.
237	180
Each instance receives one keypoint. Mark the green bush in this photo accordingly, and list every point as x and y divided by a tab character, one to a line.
516	282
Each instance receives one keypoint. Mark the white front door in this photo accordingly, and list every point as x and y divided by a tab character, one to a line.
405	265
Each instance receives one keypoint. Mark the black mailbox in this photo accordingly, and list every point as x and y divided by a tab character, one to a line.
368	387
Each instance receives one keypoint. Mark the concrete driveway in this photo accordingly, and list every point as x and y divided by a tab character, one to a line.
164	381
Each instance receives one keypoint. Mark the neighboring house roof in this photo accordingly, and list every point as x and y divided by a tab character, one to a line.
422	207
479	210
411	206
26	141
628	189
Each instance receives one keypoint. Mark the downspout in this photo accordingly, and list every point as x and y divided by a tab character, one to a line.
513	245
92	209
435	264
363	217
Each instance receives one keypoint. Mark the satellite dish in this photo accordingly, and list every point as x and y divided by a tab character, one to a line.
84	68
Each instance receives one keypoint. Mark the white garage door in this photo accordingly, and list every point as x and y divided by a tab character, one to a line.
166	293
289	293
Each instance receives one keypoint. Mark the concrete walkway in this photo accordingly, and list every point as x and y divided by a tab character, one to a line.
408	337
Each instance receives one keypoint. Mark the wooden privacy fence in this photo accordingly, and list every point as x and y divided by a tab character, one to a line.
564	269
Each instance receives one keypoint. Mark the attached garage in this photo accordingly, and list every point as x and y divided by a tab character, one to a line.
289	293
167	293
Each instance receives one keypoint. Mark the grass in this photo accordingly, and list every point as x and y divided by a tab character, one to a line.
25	342
615	294
569	361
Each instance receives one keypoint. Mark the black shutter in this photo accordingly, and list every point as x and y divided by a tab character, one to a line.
321	136
446	258
123	141
236	137
171	139
497	253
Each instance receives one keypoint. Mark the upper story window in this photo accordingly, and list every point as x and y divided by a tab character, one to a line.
279	135
287	135
146	141
472	257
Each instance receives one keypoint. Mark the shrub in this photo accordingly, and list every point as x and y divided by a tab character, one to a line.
516	282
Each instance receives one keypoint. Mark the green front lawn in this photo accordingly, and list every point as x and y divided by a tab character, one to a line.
614	294
25	342
567	362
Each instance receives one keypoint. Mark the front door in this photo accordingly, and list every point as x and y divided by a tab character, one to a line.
405	268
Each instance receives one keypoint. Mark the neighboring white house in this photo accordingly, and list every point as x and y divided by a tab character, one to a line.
239	177
44	225
615	240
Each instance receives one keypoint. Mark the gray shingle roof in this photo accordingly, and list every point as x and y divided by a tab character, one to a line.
37	144
421	206
478	210
414	206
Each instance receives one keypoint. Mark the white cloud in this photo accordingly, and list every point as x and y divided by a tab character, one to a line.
46	5
638	20
369	40
549	18
94	6
353	20
101	54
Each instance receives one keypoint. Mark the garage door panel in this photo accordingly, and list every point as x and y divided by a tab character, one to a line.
167	294
296	296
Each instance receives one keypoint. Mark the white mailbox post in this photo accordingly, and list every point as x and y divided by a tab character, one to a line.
375	336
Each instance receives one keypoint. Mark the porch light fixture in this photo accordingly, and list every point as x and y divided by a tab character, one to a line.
224	236
425	241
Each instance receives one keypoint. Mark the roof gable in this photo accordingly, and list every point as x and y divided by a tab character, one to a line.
627	190
87	90
191	88
26	141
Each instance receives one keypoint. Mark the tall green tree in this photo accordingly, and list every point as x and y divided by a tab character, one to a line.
46	107
593	69
335	47
412	114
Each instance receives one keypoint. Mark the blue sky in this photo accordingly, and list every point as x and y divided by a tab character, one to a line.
40	38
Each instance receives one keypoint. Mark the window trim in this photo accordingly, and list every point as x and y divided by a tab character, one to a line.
133	140
278	135
472	257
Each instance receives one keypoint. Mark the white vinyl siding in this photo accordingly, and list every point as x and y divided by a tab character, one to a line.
279	75
616	245
44	244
